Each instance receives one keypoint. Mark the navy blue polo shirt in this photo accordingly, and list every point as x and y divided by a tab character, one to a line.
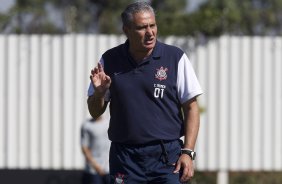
145	98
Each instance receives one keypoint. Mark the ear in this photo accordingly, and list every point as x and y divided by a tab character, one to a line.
125	30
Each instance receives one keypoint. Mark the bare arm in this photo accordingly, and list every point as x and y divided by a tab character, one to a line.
101	83
88	156
191	128
96	105
192	123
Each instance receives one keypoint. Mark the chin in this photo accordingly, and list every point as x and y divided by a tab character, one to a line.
150	46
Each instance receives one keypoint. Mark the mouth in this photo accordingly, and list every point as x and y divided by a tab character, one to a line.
149	41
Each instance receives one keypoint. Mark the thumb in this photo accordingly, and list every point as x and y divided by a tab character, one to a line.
107	78
177	168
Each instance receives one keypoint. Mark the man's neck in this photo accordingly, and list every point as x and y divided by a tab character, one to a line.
139	56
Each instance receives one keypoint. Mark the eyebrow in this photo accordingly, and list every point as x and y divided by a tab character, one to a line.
145	25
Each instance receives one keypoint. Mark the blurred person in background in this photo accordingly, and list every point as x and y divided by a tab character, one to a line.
152	90
95	147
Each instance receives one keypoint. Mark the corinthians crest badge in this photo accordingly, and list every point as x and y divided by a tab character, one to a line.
119	179
161	73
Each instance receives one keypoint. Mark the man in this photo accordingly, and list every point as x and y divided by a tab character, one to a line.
95	148
152	90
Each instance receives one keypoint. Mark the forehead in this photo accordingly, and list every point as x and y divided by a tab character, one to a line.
144	17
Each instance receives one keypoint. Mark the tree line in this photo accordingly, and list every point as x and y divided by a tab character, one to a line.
212	18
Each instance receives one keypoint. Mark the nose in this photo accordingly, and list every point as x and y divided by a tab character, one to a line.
149	31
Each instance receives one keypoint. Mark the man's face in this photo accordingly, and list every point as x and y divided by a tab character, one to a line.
143	32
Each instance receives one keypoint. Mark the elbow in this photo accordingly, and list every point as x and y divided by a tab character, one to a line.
94	115
92	108
93	112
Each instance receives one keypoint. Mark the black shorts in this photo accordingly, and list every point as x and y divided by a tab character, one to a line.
145	164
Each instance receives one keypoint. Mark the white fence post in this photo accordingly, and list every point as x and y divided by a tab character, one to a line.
222	177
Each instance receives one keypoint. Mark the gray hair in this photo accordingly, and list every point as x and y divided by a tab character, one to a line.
131	9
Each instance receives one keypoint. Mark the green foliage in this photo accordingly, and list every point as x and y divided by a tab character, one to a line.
255	178
213	18
168	6
239	178
3	20
109	18
33	17
109	22
207	22
248	17
170	16
204	178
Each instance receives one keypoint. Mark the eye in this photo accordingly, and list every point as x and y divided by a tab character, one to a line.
152	25
140	27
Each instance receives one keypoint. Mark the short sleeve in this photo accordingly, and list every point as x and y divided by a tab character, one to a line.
188	85
84	136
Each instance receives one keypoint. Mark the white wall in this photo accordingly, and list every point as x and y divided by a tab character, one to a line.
44	81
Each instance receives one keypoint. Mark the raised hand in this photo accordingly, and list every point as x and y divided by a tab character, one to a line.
100	80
